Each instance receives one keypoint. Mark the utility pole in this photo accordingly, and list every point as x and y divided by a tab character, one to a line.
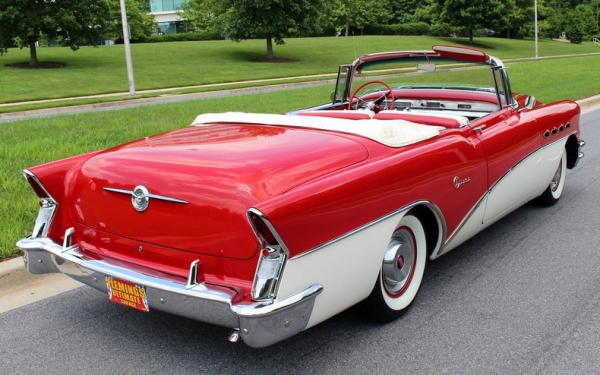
535	26
126	38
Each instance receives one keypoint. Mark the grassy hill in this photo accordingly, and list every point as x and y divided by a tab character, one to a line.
94	70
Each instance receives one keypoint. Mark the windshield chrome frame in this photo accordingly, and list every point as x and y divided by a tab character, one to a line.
346	93
493	62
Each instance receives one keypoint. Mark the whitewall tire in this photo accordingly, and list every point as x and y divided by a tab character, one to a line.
401	274
554	191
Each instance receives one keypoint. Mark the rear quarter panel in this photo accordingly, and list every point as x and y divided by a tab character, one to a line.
335	205
329	207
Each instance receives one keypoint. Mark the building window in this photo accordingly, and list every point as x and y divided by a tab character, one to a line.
171	27
165	5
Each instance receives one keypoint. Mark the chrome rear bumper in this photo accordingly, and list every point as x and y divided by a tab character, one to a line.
259	324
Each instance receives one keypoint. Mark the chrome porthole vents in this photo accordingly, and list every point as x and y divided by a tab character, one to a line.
272	258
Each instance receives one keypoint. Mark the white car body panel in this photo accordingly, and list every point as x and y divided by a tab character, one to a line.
347	269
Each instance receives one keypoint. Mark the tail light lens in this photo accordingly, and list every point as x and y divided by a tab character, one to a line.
273	257
47	206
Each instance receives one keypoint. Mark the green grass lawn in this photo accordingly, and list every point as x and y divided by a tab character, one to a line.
31	142
93	70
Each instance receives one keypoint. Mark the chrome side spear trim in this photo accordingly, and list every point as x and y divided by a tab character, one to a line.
151	196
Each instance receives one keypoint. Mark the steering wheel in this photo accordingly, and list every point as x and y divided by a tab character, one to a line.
375	102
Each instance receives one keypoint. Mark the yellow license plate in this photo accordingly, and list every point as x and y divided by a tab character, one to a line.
127	293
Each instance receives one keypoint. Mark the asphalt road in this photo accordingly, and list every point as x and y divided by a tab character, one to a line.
521	297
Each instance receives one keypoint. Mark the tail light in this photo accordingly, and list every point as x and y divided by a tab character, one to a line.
271	262
47	206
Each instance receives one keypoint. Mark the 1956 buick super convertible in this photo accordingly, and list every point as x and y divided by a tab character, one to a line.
270	224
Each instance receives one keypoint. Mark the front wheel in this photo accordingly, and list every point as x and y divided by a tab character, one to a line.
401	272
554	191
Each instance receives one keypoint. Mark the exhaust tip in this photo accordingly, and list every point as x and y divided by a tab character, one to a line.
234	336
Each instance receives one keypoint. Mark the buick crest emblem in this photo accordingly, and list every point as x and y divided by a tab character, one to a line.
140	198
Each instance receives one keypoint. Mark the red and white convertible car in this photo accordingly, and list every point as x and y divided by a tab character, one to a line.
270	224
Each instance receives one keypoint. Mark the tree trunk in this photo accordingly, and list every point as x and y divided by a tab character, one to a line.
347	29
471	34
269	48
33	60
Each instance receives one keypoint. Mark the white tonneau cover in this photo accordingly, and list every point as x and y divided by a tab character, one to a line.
393	133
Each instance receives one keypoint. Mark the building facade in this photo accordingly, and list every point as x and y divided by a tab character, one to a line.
167	15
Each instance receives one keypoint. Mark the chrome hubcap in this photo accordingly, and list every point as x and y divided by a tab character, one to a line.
556	179
399	262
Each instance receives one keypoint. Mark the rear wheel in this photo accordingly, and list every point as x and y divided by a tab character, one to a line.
554	191
401	272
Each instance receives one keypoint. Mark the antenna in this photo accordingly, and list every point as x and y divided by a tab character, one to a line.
354	45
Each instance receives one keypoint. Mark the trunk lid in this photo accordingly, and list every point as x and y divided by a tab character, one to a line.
219	170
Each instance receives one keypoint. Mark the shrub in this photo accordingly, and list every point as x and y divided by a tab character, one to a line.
191	36
575	37
411	28
442	29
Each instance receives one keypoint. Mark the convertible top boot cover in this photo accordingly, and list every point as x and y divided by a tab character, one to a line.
392	133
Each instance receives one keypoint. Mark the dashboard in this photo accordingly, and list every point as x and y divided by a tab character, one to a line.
469	109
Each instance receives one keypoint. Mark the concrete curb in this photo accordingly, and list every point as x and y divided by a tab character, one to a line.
589	104
11	266
133	103
19	288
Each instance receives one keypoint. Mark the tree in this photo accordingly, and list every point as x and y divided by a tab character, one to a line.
272	20
595	5
200	14
471	14
578	22
404	11
22	22
357	13
517	18
141	22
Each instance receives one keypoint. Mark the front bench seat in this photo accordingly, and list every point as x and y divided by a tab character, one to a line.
445	120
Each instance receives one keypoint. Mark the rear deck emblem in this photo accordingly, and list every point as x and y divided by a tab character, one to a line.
140	197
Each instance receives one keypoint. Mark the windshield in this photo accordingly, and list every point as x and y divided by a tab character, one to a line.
426	73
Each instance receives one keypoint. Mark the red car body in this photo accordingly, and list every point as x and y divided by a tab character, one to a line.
224	199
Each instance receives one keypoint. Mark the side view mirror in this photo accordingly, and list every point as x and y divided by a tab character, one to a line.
530	102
